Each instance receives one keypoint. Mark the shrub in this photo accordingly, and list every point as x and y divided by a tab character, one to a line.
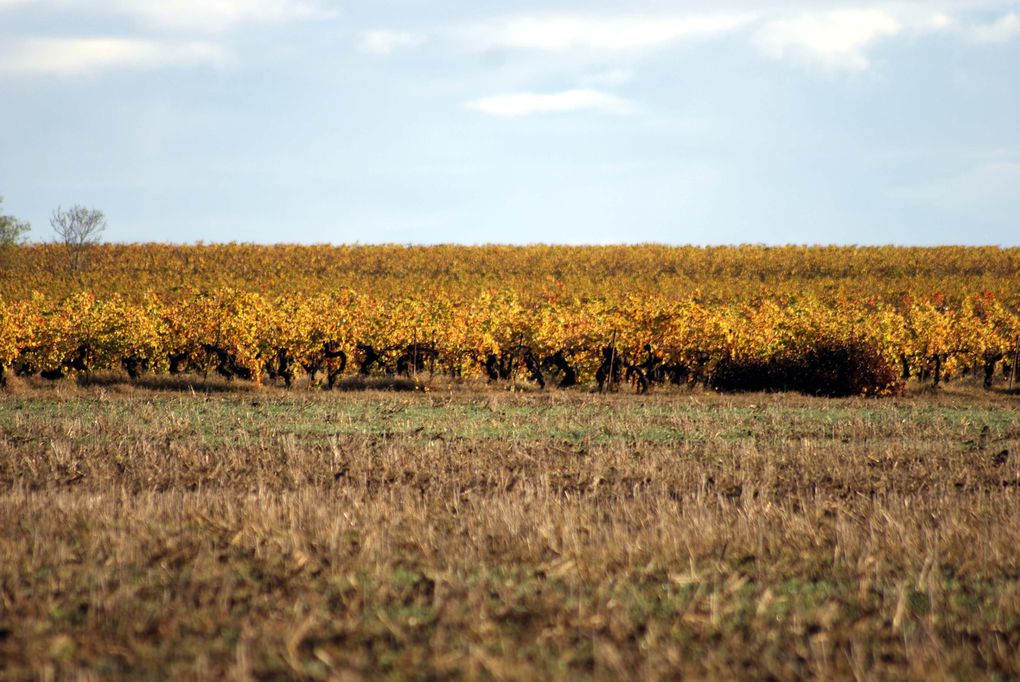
836	367
829	367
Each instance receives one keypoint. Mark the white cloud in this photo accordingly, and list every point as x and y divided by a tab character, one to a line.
206	16
216	15
167	33
608	33
836	40
611	77
527	103
1005	29
938	22
69	56
386	42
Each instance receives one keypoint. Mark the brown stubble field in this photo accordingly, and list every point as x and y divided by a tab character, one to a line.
474	533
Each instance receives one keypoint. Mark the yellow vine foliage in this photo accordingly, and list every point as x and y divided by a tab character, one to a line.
161	306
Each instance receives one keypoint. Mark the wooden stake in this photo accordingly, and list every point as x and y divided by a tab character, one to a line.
1016	358
516	359
612	361
432	355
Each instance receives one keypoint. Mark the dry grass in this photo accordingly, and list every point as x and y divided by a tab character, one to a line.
477	534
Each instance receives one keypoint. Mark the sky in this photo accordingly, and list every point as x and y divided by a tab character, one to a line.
468	121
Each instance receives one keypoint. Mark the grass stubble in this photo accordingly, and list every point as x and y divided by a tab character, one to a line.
481	534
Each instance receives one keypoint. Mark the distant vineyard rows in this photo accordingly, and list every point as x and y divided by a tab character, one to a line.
716	275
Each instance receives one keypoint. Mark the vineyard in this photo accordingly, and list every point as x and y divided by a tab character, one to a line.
823	320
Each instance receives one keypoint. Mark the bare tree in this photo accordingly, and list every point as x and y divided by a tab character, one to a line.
79	229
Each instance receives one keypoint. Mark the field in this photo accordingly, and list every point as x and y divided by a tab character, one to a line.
194	528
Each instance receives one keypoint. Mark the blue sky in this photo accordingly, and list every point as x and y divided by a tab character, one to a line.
561	122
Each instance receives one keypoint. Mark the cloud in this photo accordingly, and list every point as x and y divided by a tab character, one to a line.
167	33
527	103
611	77
386	42
835	40
217	15
938	22
607	33
1005	29
73	56
205	16
833	36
